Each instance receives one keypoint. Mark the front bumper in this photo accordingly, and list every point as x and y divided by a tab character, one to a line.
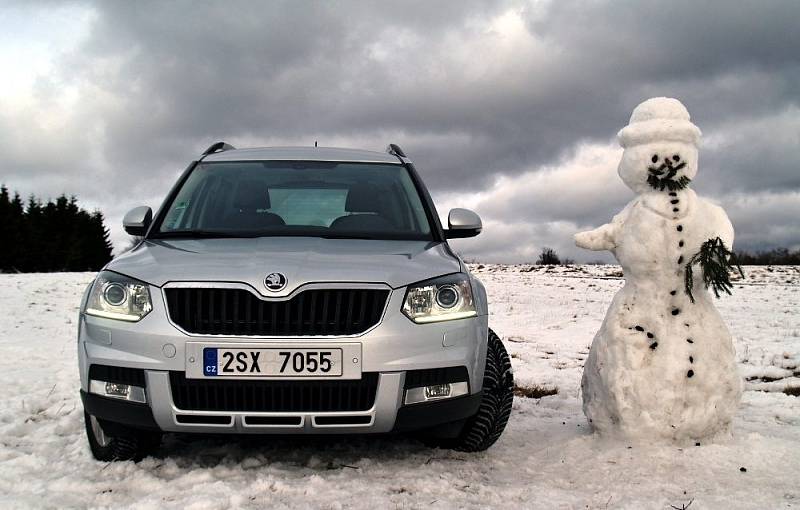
392	348
381	418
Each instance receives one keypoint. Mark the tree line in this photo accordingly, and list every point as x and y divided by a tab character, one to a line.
53	236
773	257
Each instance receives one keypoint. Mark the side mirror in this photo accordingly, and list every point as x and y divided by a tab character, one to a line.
463	223
138	220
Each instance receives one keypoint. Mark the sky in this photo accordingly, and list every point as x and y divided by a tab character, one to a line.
510	108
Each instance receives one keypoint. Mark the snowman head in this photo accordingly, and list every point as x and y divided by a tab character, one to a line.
660	145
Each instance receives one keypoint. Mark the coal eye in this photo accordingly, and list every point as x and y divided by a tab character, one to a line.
676	158
654	158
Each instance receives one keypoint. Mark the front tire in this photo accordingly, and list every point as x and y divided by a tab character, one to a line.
484	428
122	444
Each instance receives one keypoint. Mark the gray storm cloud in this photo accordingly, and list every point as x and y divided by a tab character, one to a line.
510	107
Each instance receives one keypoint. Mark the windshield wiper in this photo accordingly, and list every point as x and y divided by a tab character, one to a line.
203	234
346	236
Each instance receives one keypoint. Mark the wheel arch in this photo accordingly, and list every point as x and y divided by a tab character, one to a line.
479	296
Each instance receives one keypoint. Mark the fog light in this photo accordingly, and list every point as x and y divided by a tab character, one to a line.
436	392
118	391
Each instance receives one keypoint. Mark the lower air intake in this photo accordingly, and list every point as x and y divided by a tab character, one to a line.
273	396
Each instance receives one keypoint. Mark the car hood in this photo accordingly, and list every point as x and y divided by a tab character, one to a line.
301	259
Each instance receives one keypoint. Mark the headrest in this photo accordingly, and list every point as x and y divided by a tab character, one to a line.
363	198
252	195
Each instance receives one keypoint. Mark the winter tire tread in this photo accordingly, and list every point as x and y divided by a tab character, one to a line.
133	445
484	428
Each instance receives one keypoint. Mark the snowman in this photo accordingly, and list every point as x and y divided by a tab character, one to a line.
662	366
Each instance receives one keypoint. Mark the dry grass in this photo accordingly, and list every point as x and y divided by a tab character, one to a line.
793	391
535	391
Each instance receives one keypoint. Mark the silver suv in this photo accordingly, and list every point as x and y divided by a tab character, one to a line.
291	291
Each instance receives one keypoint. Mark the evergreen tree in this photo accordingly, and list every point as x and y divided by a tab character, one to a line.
99	247
5	218
16	229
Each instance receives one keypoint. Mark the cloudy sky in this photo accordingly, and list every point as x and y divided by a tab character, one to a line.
508	108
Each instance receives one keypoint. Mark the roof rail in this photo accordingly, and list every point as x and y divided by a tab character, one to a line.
395	150
218	147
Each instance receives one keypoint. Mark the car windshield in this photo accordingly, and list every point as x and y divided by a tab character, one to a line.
293	198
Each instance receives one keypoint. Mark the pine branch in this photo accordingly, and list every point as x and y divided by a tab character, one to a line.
717	262
660	183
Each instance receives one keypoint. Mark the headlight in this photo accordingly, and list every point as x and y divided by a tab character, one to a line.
114	296
441	299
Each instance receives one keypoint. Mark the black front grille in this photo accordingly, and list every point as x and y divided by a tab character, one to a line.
237	312
273	396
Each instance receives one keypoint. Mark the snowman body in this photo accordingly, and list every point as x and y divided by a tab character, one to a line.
661	366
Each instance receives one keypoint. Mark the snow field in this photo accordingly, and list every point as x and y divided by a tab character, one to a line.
546	459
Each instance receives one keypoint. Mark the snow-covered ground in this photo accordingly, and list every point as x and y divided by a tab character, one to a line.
546	459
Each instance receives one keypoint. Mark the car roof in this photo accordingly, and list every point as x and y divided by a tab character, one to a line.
303	154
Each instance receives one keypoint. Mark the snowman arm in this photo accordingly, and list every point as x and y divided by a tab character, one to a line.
723	227
605	236
715	258
601	238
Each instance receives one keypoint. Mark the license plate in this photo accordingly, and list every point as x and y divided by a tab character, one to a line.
272	362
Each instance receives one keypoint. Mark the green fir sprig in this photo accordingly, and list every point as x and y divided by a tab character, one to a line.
660	183
717	262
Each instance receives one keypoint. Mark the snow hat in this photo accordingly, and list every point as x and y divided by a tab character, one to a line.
659	119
